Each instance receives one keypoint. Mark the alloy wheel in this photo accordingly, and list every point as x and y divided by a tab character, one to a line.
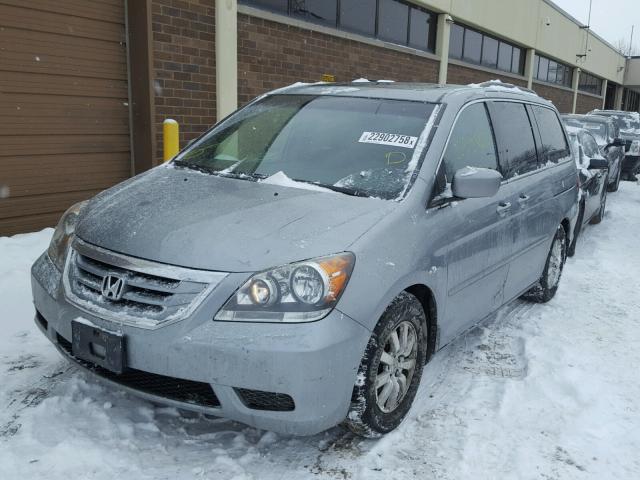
397	366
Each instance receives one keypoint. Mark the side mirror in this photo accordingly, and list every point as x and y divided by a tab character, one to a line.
598	163
473	182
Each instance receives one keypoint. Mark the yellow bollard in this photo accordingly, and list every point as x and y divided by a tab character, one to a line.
170	139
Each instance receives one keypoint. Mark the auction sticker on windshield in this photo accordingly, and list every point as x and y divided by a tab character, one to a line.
393	139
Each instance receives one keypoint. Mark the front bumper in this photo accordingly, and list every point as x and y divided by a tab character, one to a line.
315	364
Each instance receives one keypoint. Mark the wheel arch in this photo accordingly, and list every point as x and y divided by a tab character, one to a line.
428	300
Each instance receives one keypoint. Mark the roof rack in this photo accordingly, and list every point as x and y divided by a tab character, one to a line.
500	83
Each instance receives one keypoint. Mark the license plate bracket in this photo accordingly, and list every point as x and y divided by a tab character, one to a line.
98	346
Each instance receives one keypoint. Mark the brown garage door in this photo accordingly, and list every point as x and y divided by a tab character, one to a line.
64	115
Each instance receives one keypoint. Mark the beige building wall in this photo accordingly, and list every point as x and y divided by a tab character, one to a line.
537	24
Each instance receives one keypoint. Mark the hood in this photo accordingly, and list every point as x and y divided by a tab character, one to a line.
191	219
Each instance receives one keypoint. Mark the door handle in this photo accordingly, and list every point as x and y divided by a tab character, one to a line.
503	208
523	198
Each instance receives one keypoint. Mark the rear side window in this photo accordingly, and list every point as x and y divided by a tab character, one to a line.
515	138
471	143
554	143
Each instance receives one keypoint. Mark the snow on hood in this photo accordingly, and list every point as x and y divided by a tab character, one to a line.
281	178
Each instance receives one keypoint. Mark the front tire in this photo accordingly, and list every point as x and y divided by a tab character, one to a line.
390	370
545	289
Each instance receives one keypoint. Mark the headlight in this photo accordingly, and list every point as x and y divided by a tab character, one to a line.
635	148
64	234
299	292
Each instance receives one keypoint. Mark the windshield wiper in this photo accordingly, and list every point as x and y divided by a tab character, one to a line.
220	173
347	191
194	166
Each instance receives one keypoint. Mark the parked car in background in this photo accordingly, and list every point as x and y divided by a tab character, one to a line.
297	265
593	171
607	136
629	125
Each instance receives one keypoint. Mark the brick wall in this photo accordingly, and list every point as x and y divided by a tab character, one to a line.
459	75
184	66
562	99
272	55
586	103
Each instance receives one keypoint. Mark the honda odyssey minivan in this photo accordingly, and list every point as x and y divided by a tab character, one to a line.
296	266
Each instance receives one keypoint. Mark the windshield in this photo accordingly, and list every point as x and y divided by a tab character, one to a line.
597	129
358	146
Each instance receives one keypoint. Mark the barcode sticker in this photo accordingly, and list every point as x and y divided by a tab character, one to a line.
393	139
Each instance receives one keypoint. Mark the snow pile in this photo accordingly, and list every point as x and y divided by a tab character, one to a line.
281	179
498	85
537	392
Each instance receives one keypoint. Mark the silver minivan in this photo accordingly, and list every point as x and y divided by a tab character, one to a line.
297	265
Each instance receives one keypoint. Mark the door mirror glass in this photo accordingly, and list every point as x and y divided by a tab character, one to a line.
598	163
473	182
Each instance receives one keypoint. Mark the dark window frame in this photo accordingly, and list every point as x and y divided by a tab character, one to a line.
563	72
506	165
520	67
590	84
544	155
431	20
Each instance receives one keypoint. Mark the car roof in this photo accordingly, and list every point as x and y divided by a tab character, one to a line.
587	118
424	92
621	113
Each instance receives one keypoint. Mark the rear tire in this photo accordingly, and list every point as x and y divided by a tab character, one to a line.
390	370
546	288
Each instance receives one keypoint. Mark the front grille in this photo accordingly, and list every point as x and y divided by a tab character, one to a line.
187	391
154	294
259	400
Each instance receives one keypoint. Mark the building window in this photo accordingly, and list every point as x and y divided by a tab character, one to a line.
550	71
590	84
422	29
358	16
280	6
393	21
476	47
324	12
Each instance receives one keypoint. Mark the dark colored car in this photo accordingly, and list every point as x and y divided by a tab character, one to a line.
593	174
629	125
607	136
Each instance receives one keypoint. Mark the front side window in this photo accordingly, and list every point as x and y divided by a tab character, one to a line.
554	143
359	146
471	143
514	135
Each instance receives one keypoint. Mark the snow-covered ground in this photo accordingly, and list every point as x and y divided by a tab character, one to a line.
538	392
